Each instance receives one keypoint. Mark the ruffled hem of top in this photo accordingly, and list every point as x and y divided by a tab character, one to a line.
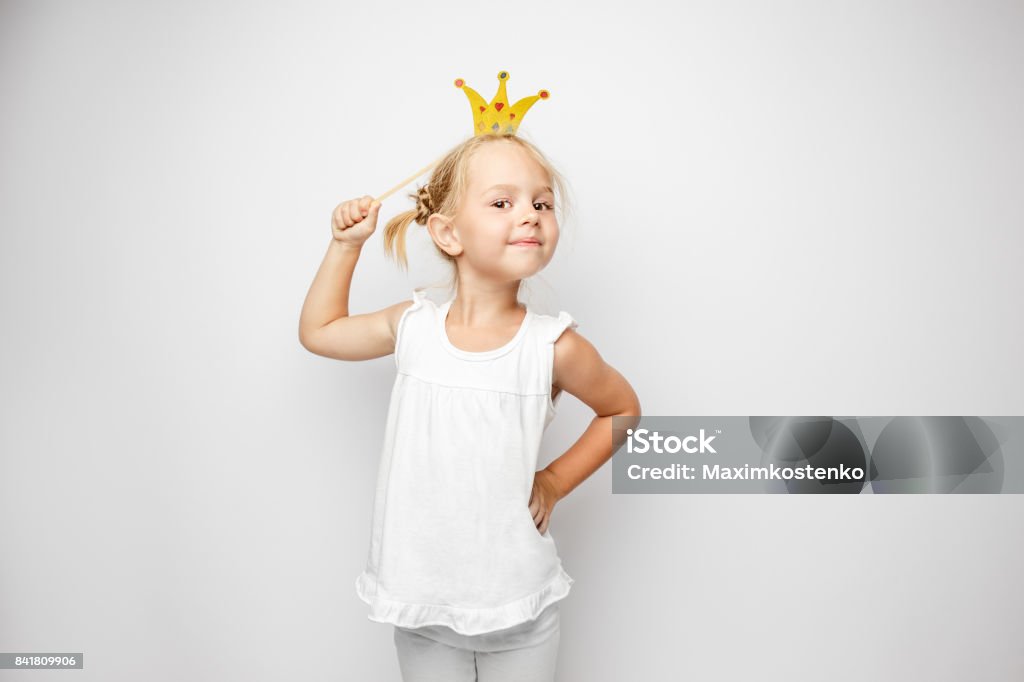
419	299
465	621
564	321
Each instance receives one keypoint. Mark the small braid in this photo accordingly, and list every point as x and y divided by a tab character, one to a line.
424	205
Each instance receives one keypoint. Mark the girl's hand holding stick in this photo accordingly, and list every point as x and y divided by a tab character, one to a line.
355	220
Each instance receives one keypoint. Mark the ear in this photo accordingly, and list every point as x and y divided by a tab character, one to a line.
443	232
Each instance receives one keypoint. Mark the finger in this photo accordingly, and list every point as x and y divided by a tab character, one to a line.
364	203
350	214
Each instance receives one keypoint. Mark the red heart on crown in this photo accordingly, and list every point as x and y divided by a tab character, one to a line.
512	115
499	105
482	108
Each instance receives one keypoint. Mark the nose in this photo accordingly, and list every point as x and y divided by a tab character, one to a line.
531	217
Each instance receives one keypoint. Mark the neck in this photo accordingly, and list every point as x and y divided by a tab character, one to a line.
482	304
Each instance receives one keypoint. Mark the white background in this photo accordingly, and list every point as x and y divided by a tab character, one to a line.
782	208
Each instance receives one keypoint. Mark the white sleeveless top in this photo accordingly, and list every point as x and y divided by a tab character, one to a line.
453	542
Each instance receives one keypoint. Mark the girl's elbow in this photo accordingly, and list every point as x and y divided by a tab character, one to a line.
632	412
632	405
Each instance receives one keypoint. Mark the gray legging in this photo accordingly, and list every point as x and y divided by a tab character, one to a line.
524	653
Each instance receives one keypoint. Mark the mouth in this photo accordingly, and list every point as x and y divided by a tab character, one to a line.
526	242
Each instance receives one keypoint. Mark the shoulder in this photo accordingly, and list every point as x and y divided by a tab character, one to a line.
551	327
394	314
558	331
398	311
575	357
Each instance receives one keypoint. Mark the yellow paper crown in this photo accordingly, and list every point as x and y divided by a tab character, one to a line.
497	118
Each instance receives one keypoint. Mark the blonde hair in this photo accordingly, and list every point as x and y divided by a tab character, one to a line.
446	187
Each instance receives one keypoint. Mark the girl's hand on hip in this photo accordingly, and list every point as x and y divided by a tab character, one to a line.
355	220
543	499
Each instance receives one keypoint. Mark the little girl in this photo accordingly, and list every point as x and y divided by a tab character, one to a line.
461	562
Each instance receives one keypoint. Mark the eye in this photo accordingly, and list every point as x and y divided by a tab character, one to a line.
549	206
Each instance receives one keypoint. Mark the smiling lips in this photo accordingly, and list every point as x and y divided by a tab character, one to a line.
526	242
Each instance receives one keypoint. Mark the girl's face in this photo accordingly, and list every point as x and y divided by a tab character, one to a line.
506	222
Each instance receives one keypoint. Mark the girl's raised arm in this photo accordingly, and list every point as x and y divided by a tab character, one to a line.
325	327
